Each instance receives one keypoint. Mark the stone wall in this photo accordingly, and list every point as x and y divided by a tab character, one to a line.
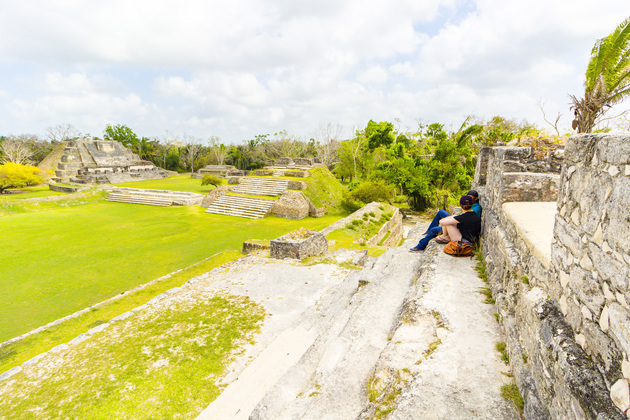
299	244
564	310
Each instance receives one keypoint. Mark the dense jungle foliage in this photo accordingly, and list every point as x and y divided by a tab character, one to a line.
428	167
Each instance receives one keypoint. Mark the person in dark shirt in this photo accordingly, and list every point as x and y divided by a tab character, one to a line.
465	227
435	228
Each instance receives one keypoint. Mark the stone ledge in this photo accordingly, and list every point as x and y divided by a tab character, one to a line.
534	222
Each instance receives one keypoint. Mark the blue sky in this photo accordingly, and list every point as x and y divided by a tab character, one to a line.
247	67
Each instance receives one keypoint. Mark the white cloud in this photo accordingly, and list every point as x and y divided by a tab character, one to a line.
375	74
247	67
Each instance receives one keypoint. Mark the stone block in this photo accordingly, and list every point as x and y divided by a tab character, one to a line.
214	194
513	166
233	180
610	269
284	161
580	148
619	319
587	289
291	205
300	244
529	187
249	247
297	185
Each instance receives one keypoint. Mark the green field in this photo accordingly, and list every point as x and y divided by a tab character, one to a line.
172	183
62	257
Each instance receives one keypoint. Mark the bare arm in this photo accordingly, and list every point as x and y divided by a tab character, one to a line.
450	220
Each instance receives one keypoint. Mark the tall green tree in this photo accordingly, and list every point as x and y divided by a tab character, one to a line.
379	134
607	78
124	135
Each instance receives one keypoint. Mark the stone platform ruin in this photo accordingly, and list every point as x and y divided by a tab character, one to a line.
90	161
556	249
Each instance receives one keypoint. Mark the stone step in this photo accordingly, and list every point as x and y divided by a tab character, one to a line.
121	198
358	349
69	166
261	186
86	156
233	205
156	193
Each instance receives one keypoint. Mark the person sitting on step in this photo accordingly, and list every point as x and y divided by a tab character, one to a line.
465	227
435	229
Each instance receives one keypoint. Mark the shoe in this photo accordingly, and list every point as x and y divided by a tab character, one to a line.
416	249
441	241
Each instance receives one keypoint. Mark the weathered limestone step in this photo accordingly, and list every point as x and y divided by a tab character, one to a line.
392	323
139	200
232	205
330	383
86	156
142	196
242	395
261	186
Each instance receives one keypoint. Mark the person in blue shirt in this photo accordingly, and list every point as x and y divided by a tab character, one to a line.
434	230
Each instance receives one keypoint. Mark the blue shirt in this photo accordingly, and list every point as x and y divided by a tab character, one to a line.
477	209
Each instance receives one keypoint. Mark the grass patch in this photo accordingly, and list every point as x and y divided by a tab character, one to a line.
161	364
487	292
383	395
502	349
20	351
511	393
345	238
324	190
70	255
37	191
173	183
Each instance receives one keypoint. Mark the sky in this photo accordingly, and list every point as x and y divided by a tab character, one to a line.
240	68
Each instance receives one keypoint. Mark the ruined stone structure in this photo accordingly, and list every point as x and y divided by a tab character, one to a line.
220	171
291	205
305	244
99	161
557	254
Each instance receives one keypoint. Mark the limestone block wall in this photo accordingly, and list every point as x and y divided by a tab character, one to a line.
591	250
505	171
565	314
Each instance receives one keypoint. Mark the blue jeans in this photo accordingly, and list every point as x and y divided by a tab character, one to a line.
432	233
441	214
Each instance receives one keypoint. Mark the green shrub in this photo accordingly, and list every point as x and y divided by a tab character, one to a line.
370	191
210	180
350	205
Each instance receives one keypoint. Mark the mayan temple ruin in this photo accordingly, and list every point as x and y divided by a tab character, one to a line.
89	161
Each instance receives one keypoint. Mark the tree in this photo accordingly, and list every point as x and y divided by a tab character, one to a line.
124	135
16	151
328	139
379	134
14	175
607	79
218	150
62	132
191	151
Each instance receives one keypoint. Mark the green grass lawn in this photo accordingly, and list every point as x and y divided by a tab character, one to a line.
60	259
172	183
161	364
29	192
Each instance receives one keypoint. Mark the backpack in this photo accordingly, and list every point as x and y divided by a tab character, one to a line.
459	249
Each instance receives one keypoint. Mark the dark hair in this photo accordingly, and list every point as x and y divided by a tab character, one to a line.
466	207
